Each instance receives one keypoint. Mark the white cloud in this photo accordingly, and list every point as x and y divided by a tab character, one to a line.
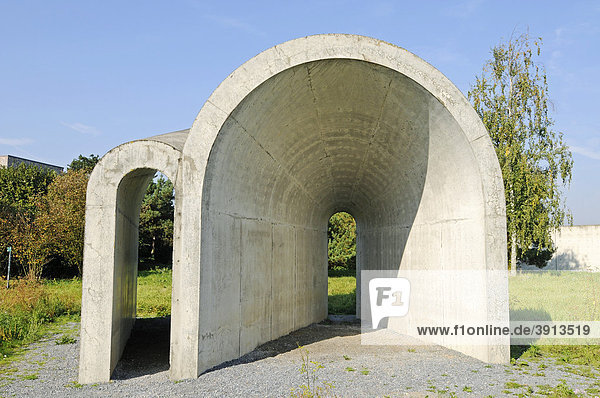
585	152
82	128
15	141
558	34
207	10
464	8
236	23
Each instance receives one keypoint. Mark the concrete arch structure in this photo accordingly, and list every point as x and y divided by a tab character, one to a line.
309	127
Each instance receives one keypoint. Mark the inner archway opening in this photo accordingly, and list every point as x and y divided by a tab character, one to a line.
341	265
147	349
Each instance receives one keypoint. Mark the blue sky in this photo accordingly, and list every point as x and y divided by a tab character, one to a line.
85	76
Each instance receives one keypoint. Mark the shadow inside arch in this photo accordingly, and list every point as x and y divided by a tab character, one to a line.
146	351
314	333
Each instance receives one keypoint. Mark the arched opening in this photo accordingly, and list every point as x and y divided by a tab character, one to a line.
341	267
148	347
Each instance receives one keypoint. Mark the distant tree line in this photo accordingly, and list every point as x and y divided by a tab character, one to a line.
42	217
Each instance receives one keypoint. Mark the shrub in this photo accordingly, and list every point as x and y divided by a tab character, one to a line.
28	305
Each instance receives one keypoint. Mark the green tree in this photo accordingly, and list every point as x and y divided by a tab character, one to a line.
86	163
156	222
20	186
341	236
61	221
511	97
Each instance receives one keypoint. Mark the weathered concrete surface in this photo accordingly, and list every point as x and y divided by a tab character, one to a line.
577	248
307	128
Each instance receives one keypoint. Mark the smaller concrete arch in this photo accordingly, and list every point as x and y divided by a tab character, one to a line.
115	191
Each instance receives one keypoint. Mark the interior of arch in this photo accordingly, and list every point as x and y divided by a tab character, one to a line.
321	137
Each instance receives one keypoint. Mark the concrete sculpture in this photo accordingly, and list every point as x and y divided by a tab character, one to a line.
307	128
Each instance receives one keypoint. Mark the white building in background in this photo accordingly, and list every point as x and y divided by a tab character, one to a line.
15	161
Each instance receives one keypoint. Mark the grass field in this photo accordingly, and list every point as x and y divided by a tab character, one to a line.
559	296
556	296
28	309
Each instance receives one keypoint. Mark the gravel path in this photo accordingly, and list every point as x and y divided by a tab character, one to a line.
49	369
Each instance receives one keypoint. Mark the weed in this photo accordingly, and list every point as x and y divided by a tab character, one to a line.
512	385
66	340
312	387
74	384
347	358
467	389
581	371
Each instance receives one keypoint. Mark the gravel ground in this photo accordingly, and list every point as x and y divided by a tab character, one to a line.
49	369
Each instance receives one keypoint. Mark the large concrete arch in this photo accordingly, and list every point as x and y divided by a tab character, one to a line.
309	127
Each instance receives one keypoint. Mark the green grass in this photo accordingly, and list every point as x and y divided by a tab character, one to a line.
27	307
342	295
154	293
559	296
556	296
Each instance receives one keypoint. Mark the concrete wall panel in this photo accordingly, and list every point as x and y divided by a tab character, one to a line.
577	248
256	284
219	334
284	279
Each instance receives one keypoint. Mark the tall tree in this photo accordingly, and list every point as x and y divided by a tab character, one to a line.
20	188
61	220
86	163
511	97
